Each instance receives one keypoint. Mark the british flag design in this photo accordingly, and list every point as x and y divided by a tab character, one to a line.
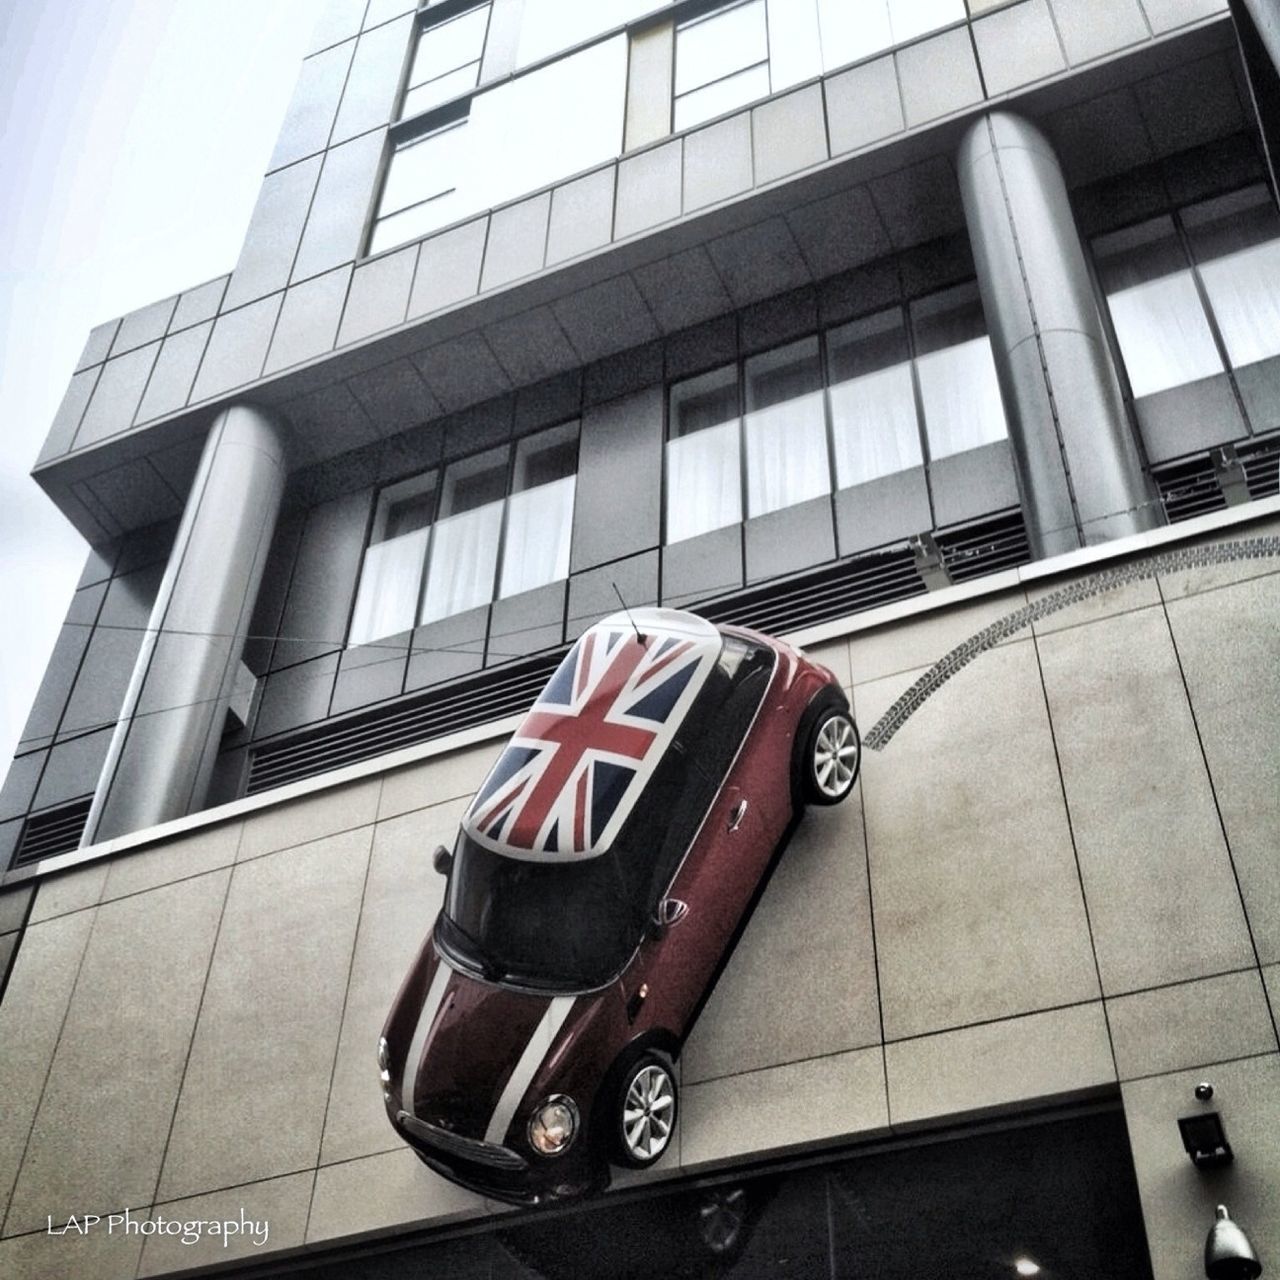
576	765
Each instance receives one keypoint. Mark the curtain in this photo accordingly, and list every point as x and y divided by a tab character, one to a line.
536	548
389	583
786	454
962	405
704	484
464	557
874	420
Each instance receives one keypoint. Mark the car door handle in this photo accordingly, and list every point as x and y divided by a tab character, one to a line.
736	815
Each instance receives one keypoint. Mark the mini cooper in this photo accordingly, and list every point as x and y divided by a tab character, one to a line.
599	880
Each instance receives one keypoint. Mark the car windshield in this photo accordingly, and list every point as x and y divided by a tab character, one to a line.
572	925
561	925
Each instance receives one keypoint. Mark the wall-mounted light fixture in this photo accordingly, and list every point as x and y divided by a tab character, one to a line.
1228	1254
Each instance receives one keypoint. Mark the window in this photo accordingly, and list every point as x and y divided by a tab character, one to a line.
722	60
477	152
958	385
785	428
743	51
540	511
422	190
831	411
446	62
440	546
464	543
704	470
1236	243
875	429
1160	325
391	578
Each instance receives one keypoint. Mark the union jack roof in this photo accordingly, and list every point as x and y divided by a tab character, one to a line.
579	761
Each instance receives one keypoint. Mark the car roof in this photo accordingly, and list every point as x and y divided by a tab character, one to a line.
578	764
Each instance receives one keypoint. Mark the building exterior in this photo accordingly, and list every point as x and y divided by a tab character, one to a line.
868	326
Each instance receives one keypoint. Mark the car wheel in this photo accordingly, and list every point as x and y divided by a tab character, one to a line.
646	1112
832	757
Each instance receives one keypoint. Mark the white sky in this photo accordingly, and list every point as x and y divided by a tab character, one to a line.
133	137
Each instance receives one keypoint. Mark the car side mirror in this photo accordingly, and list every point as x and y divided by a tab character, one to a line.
442	860
668	912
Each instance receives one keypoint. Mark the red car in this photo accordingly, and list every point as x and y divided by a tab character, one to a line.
601	876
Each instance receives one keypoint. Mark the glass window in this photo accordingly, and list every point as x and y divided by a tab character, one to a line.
1236	242
962	405
422	188
550	26
464	546
912	18
446	62
795	42
873	407
517	137
704	468
535	129
785	428
391	576
850	32
1164	336
535	550
722	60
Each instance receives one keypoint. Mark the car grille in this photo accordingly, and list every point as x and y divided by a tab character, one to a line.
485	1153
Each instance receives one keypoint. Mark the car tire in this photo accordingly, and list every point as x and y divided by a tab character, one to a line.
645	1111
832	756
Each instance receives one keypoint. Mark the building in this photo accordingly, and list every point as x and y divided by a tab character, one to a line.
866	327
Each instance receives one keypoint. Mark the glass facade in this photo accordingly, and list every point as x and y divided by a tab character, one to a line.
521	135
488	527
831	412
747	50
446	61
1195	292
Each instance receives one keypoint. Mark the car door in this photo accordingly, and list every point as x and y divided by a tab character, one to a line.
715	883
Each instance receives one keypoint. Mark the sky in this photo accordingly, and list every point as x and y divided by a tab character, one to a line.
133	138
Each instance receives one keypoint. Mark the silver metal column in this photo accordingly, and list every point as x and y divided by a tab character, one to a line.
1266	17
161	755
1079	467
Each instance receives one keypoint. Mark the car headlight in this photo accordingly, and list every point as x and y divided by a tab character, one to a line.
384	1064
553	1125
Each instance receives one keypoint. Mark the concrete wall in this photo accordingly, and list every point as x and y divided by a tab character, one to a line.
1057	880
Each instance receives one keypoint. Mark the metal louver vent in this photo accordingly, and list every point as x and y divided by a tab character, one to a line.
975	550
448	709
1189	488
52	832
780	606
1261	462
851	587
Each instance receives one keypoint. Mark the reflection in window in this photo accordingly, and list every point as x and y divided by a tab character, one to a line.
1164	336
1236	242
551	26
957	374
421	191
873	409
722	61
785	428
535	550
391	576
464	543
516	137
446	62
704	470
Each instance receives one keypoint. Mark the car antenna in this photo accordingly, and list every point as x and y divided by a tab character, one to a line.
627	611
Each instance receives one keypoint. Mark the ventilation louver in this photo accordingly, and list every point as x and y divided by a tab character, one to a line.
54	831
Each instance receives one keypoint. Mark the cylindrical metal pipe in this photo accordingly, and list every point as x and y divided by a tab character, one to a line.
161	755
1079	465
